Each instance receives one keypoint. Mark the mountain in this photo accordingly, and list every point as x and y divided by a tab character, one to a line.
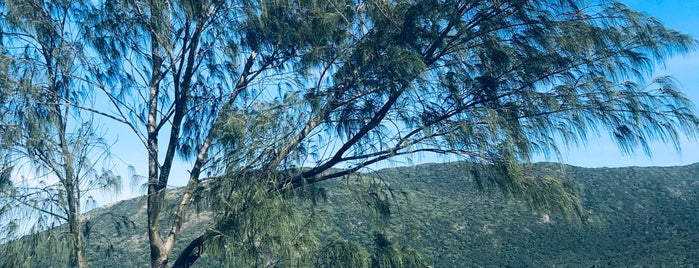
638	216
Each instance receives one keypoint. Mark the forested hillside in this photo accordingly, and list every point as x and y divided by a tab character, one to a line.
635	216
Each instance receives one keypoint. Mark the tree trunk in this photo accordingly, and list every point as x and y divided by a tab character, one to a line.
78	242
159	261
74	223
158	252
71	184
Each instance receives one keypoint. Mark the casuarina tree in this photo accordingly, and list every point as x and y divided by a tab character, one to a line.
265	98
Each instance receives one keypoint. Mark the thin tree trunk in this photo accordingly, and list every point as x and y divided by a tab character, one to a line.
76	231
72	187
71	184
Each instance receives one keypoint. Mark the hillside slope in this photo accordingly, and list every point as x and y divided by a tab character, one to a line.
639	217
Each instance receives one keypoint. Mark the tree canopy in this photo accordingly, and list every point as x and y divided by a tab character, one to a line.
53	154
300	91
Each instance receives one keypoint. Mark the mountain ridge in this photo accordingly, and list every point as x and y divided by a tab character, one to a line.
647	216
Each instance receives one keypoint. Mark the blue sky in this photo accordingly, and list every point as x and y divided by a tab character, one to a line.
680	15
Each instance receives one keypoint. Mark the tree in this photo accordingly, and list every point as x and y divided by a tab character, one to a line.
51	150
274	95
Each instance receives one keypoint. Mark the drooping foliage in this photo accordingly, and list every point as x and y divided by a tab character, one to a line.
311	86
259	228
387	255
343	254
51	148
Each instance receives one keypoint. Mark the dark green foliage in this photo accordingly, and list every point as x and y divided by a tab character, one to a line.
634	217
548	190
237	87
260	228
342	254
412	258
5	178
34	251
451	223
388	256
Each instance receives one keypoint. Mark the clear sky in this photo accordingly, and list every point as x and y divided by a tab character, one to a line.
682	15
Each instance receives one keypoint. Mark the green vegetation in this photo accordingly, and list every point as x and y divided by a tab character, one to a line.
635	217
267	101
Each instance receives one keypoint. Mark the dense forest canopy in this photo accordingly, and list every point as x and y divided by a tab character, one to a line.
264	98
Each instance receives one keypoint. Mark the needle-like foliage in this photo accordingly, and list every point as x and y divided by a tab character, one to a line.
325	89
51	149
